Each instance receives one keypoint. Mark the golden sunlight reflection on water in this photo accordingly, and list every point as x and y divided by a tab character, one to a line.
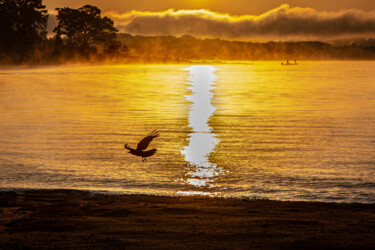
200	171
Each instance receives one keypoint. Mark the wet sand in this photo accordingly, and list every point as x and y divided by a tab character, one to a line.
80	220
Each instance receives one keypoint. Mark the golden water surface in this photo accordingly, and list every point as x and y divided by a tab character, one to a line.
261	129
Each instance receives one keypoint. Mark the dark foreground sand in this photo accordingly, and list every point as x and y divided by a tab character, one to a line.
81	220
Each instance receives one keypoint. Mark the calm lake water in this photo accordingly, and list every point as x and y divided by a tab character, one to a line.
261	130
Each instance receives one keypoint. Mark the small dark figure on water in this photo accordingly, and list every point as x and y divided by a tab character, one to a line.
142	145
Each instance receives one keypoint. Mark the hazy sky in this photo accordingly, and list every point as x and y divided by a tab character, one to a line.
239	19
239	7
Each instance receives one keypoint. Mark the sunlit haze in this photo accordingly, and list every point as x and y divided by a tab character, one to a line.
239	20
235	7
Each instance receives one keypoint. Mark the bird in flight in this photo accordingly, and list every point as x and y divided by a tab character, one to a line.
142	145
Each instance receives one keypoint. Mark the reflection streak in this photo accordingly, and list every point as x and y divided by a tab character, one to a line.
200	172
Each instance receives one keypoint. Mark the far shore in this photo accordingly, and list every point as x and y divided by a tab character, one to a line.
27	66
73	219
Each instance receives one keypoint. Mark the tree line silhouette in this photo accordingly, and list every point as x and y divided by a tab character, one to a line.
188	48
79	33
84	35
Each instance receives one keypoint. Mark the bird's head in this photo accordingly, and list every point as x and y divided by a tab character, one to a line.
126	146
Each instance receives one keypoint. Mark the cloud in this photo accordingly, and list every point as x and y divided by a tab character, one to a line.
284	22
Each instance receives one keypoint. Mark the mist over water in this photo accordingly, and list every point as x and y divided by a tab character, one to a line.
263	130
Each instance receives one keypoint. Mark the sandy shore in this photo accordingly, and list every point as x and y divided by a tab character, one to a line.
81	220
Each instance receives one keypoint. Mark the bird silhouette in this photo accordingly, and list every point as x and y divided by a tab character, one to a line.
142	145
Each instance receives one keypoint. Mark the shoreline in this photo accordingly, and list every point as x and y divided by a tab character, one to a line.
177	195
5	66
62	218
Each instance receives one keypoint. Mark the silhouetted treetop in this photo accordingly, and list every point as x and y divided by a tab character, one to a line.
84	26
23	25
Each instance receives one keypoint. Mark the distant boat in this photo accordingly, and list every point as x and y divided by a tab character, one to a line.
288	63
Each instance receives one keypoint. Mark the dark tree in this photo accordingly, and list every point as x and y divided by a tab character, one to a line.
84	27
23	25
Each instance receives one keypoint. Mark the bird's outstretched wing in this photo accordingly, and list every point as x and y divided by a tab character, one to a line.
143	144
